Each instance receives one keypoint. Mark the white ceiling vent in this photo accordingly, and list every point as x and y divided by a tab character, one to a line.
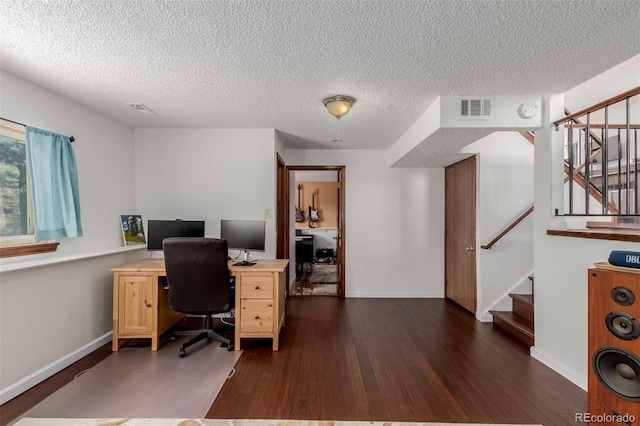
475	107
141	108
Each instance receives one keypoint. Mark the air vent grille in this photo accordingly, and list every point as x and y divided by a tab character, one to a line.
475	107
141	108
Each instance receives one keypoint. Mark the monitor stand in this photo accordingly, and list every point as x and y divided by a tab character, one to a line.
246	260
246	257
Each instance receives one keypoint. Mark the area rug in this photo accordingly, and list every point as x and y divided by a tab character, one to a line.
318	290
208	422
324	274
139	383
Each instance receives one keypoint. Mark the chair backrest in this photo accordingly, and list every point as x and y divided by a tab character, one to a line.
198	275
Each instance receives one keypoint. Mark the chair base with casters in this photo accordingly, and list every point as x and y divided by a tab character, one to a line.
207	333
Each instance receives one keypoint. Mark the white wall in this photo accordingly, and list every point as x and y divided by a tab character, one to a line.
53	314
561	263
316	176
505	190
394	224
205	174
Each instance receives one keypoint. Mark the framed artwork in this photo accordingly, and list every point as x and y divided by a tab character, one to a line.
132	229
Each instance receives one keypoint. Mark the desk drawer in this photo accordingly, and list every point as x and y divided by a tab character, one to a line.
256	316
256	286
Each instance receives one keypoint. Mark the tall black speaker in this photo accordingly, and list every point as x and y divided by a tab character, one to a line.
614	346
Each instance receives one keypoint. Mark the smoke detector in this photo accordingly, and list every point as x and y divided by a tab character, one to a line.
528	110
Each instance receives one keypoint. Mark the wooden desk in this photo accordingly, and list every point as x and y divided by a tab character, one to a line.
141	308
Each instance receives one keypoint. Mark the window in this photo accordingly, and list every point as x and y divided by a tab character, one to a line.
16	212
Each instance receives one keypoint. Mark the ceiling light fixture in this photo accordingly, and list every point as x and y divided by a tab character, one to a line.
338	105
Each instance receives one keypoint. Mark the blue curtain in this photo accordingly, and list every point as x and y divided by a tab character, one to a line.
54	182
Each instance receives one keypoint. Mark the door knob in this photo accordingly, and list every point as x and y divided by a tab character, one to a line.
470	248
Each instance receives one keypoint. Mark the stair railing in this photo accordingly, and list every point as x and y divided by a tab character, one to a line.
602	158
506	230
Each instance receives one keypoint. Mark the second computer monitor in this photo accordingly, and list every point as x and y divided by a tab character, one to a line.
244	235
158	230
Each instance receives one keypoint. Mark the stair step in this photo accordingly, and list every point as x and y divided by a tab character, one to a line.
523	306
513	325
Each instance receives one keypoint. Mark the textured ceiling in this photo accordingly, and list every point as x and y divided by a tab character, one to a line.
269	64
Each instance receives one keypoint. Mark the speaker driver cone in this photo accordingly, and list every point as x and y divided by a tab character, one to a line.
619	371
623	296
623	325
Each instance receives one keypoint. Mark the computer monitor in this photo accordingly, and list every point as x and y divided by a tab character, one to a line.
244	235
158	230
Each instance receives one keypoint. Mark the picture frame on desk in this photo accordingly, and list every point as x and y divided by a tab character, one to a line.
132	230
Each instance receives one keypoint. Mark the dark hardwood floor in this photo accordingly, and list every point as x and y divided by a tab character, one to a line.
394	360
378	359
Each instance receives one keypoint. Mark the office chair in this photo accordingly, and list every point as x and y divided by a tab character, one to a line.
199	283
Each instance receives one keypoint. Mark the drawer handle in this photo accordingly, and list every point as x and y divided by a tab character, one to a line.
257	317
257	287
147	303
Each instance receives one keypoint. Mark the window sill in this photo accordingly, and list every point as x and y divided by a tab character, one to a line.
21	265
627	235
27	249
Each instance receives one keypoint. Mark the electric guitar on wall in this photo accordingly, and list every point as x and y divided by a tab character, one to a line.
299	211
313	212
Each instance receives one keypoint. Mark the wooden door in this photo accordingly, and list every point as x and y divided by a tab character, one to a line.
340	237
460	233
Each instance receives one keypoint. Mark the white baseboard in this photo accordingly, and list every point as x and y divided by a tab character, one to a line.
569	375
44	373
394	295
486	317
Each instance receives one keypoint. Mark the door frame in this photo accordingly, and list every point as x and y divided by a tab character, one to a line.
282	214
285	217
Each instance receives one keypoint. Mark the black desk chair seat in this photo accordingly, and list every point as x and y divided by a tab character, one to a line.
199	283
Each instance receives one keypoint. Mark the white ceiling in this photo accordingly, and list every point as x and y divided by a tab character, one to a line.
269	64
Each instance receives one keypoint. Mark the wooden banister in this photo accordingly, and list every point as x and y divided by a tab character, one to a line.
529	136
508	228
602	126
610	101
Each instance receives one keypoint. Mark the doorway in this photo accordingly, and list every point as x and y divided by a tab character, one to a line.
460	233
316	224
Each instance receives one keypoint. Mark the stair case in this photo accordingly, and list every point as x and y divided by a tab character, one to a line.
517	323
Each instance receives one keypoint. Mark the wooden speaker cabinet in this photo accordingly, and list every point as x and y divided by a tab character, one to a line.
614	347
